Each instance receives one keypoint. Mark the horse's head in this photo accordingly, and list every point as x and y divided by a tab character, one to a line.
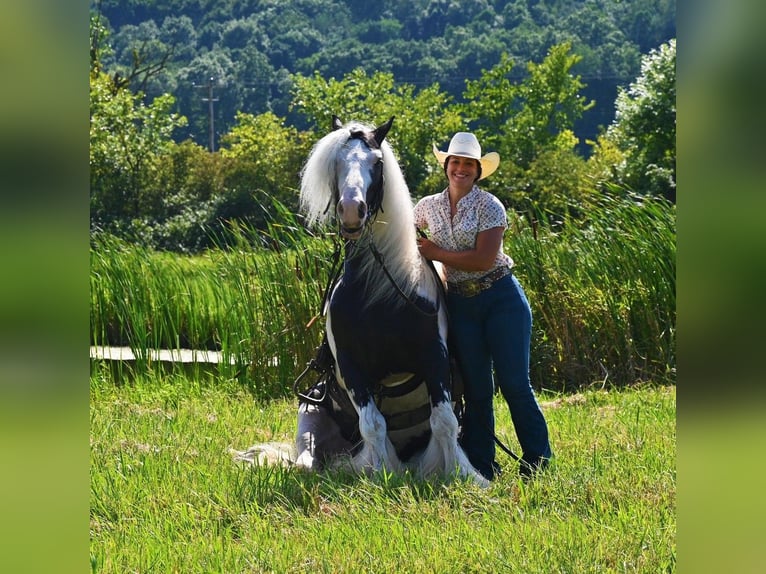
359	172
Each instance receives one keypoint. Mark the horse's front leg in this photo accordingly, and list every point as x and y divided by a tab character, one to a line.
377	451
443	455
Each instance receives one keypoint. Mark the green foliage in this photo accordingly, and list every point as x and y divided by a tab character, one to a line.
189	183
552	104
603	164
253	305
128	140
252	47
602	290
263	154
407	60
100	48
557	182
179	197
645	126
603	39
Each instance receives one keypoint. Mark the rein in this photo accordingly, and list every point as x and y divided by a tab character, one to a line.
323	363
379	258
334	275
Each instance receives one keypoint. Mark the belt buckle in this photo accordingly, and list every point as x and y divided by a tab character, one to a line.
471	288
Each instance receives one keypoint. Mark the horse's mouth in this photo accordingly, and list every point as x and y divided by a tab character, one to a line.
351	232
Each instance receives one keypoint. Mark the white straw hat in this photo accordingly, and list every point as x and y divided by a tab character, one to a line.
464	144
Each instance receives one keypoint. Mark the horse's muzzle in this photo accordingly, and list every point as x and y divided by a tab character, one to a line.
352	220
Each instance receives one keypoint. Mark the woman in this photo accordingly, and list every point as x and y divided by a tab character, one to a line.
490	318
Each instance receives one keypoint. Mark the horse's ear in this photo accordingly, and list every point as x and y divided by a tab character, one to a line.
382	130
336	123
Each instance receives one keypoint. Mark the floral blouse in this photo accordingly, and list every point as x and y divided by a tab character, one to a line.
476	212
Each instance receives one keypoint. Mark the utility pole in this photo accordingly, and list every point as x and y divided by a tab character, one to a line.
210	100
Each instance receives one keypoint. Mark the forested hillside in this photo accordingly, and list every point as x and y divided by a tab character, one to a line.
242	54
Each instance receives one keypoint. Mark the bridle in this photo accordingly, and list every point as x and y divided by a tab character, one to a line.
374	195
375	191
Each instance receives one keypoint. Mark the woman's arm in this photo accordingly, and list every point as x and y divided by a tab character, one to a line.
480	258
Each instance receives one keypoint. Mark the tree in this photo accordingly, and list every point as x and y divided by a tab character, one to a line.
644	128
262	153
605	51
142	58
550	104
100	48
530	123
217	68
127	140
421	42
179	32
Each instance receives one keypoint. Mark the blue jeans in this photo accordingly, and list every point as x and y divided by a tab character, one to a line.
493	329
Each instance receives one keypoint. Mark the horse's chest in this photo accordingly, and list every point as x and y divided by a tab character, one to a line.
393	333
380	323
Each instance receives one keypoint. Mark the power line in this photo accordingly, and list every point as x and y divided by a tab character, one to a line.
210	100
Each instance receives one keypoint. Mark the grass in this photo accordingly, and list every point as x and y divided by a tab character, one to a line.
166	495
602	291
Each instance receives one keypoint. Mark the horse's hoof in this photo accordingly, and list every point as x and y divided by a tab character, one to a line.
305	461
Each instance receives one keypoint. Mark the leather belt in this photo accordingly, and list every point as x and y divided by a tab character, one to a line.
471	287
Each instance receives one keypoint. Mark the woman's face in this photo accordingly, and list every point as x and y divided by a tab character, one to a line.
462	172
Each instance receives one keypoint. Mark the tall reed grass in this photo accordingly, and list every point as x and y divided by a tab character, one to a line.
253	305
602	291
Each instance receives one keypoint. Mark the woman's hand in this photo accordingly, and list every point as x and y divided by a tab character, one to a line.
428	249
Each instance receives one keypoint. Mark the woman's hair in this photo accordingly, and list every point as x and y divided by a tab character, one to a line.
478	166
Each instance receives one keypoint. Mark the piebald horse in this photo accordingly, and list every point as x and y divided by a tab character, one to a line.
386	322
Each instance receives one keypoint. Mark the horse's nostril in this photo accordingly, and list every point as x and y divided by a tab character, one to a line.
340	208
362	210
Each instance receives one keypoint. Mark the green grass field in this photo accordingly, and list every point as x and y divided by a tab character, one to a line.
166	495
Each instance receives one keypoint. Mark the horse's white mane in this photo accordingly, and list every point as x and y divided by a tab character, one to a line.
394	227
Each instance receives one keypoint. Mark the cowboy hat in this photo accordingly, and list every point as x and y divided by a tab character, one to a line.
464	144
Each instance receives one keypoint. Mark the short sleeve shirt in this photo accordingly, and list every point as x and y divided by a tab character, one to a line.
476	212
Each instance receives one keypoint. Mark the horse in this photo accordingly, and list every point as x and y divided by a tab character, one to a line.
386	321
